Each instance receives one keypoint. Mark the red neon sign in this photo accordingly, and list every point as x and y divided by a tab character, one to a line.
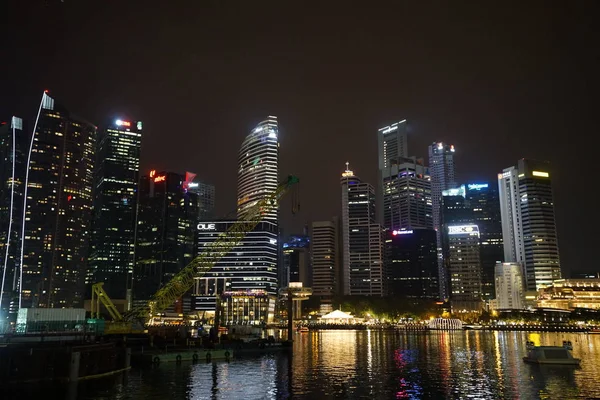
160	178
152	173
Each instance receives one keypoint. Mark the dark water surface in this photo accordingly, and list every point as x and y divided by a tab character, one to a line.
365	365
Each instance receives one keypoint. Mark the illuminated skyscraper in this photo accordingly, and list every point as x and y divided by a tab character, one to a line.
12	175
167	217
392	146
325	249
58	186
258	167
116	185
528	226
441	170
509	286
407	195
362	238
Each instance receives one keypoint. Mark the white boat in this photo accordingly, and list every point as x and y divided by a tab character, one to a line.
555	355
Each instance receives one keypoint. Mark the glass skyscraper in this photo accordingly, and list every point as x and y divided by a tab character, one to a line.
116	185
58	208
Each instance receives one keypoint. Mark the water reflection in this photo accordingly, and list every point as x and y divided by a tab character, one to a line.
362	364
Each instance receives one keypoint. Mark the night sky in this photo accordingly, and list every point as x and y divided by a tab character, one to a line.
500	82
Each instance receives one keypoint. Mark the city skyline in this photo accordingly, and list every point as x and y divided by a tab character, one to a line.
499	93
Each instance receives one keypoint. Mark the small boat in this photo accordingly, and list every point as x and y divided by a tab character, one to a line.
555	355
472	326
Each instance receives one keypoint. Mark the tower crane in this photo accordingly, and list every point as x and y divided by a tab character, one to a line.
184	279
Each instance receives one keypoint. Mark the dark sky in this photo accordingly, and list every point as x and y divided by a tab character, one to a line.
500	80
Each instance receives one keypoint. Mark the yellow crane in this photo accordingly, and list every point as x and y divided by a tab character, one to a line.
184	280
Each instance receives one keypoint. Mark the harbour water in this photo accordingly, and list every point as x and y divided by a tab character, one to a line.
363	364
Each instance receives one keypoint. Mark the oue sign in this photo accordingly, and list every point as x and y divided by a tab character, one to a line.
207	227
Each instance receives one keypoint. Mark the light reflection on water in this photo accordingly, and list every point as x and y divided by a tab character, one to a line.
372	364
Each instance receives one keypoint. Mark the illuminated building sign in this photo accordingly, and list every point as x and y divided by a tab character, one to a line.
206	227
463	230
192	184
347	174
459	191
477	186
402	232
540	173
160	178
152	173
123	123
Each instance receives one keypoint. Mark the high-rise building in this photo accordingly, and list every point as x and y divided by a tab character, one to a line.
528	225
509	286
206	198
484	205
463	262
441	170
258	167
296	261
362	237
13	141
326	257
476	203
250	267
166	223
411	264
392	145
58	197
406	195
116	185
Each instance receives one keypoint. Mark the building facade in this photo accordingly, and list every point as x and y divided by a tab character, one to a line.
406	195
258	167
166	223
13	142
325	254
463	263
570	294
296	261
392	145
441	170
509	286
206	198
116	180
411	264
362	237
528	225
58	205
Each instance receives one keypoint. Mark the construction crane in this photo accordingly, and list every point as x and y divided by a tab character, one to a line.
184	280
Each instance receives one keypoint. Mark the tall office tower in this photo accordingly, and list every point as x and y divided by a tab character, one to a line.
411	264
406	195
441	169
509	286
296	261
326	257
58	205
362	236
484	205
12	173
113	229
392	145
462	257
528	226
206	198
167	217
258	167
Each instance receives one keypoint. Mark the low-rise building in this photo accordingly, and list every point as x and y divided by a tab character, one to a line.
568	294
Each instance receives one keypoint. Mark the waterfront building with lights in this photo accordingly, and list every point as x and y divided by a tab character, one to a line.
296	261
326	260
116	179
509	286
13	142
441	170
411	264
58	206
362	238
166	223
528	225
